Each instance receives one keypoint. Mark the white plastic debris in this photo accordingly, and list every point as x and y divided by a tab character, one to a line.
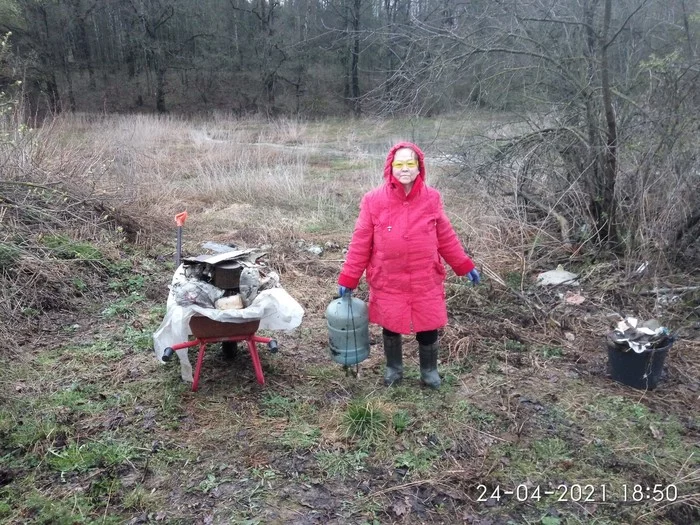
640	337
642	268
195	292
249	285
217	247
233	302
558	276
626	324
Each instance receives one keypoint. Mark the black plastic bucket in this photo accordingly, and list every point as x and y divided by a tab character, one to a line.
641	370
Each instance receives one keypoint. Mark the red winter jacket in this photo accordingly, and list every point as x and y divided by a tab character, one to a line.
400	240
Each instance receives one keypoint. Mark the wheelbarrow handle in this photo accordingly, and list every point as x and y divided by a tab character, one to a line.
168	354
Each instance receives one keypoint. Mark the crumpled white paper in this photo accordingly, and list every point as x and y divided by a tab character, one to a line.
275	308
631	332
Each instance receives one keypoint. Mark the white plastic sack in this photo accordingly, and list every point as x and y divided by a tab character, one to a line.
558	276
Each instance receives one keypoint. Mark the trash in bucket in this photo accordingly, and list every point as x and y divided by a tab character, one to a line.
637	352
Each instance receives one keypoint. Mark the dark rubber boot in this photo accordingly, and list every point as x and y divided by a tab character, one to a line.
394	360
428	355
229	349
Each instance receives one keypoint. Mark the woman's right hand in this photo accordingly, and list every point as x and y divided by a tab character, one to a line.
474	276
342	290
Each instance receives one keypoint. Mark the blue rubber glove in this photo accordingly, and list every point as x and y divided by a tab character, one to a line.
474	276
342	290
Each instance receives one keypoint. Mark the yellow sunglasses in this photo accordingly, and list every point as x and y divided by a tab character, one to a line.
399	165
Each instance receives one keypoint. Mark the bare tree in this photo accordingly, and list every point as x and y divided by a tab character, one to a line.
577	67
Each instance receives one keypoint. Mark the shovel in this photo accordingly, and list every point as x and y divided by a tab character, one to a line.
180	219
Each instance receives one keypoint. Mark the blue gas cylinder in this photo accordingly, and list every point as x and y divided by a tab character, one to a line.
348	330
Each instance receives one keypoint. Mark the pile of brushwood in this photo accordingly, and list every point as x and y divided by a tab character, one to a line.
58	248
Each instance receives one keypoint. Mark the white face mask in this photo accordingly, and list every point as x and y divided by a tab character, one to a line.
405	167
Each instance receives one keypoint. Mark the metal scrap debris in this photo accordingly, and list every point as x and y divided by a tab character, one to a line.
639	337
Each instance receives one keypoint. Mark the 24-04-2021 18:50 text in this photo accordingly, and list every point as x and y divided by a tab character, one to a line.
581	493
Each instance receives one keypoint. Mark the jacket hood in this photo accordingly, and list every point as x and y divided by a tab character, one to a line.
388	177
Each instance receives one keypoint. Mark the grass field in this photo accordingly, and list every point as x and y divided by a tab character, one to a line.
527	428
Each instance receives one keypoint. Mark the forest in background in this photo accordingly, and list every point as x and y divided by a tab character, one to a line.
319	58
604	155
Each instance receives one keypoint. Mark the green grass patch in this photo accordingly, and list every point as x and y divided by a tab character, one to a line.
83	354
133	283
120	269
80	285
42	509
84	456
623	421
341	464
63	247
514	280
35	429
275	405
550	452
79	399
301	436
125	307
9	255
512	345
365	419
473	415
170	458
418	461
137	339
401	420
549	352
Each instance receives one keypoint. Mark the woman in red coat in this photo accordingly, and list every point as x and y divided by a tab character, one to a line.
401	237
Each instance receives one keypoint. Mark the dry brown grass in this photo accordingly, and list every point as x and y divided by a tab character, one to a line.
253	182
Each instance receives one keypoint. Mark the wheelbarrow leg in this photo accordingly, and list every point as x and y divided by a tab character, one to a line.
257	366
198	368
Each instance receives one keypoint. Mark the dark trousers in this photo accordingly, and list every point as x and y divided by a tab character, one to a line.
423	338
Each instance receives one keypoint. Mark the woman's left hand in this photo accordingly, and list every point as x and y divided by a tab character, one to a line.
474	276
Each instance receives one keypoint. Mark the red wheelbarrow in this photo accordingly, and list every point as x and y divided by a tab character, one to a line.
208	331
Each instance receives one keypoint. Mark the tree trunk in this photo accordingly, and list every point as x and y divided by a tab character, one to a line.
160	90
53	94
83	44
355	82
270	90
346	56
590	161
609	224
69	83
686	27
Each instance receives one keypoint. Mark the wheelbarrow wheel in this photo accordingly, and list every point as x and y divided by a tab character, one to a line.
229	349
